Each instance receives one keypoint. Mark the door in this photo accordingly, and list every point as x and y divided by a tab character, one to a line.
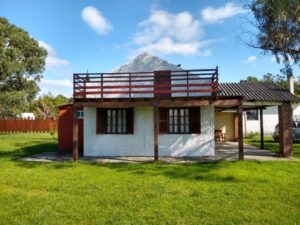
162	83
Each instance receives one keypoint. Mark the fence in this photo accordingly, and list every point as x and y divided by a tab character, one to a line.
23	126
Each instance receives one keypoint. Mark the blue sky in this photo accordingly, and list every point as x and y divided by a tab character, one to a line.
98	36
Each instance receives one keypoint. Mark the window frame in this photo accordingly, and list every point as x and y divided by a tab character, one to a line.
177	118
193	121
102	121
251	116
80	114
112	122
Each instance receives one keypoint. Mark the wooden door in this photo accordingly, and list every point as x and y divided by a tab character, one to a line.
162	82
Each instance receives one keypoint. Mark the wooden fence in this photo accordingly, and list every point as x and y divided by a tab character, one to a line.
27	125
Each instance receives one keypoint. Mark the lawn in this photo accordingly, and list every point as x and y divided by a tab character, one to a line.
272	145
246	192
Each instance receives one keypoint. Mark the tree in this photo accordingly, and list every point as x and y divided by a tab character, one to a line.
46	106
250	79
22	62
278	25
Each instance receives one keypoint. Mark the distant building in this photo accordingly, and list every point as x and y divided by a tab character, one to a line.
27	115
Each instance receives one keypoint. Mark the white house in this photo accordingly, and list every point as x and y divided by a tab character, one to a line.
166	111
27	115
251	121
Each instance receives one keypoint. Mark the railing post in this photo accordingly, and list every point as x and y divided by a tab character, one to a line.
74	85
84	86
101	88
130	85
187	83
217	74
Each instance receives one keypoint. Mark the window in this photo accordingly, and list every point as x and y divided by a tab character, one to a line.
179	120
252	114
115	121
80	114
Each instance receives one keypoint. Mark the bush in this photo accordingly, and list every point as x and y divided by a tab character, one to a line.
251	135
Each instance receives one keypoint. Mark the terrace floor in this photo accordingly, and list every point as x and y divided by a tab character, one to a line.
224	151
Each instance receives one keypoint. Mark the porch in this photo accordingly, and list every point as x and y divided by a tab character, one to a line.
223	152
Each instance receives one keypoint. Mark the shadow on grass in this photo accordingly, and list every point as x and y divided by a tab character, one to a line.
203	171
33	148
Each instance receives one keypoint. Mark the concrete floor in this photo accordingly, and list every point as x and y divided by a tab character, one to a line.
224	151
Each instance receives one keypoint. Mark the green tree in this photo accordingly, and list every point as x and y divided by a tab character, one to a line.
250	79
46	106
22	62
278	25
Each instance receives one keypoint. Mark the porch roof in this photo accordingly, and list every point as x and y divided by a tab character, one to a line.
260	91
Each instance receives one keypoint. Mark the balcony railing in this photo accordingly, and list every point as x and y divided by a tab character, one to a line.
156	84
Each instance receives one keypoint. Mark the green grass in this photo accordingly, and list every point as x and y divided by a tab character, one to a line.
246	192
272	145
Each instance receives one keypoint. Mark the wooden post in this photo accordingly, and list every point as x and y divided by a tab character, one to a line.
75	133
155	117
285	129
240	131
261	116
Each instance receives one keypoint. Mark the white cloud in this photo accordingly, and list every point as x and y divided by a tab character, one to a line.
251	59
94	18
55	68
52	61
57	83
217	15
56	87
168	33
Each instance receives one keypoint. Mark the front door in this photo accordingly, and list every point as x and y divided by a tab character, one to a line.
162	83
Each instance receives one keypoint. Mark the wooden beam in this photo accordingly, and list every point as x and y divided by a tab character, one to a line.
240	132
75	134
123	103
261	117
156	127
227	102
285	113
150	102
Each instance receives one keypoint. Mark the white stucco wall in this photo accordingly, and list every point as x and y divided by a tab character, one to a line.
138	144
270	118
141	142
203	144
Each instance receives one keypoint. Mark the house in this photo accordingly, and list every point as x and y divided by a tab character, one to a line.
251	121
268	96
168	112
27	115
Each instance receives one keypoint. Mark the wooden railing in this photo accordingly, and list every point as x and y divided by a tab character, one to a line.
181	83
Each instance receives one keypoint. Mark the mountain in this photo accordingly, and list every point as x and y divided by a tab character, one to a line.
146	63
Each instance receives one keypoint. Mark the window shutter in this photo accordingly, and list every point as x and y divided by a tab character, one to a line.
101	121
163	120
130	120
195	120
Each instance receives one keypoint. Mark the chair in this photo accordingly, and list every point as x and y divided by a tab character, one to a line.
219	136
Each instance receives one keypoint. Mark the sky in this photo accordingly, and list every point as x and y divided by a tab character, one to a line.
99	36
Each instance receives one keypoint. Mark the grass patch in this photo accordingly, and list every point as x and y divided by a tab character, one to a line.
271	145
246	192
